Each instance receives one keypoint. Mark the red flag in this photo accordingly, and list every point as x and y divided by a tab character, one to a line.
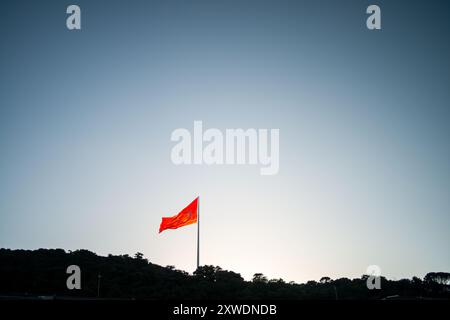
186	217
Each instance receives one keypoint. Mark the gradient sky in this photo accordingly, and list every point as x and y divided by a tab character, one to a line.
86	118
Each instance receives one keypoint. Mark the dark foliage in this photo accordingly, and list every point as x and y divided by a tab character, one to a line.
43	272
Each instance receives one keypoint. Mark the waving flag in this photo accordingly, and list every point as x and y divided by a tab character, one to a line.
186	217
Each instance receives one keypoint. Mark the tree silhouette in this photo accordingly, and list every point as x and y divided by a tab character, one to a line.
259	278
442	278
325	280
43	272
139	256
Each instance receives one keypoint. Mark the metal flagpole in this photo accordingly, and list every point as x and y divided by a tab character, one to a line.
198	232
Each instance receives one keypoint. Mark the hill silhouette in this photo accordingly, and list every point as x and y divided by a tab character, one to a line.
43	273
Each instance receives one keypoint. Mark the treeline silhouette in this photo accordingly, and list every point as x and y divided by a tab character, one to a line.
43	273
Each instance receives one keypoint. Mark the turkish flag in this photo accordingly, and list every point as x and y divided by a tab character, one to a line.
186	217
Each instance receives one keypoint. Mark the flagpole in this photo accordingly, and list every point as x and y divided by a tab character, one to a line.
198	232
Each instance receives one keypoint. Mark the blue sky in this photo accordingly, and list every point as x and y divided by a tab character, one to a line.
86	118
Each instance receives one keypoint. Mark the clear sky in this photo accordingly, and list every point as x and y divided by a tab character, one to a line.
86	118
